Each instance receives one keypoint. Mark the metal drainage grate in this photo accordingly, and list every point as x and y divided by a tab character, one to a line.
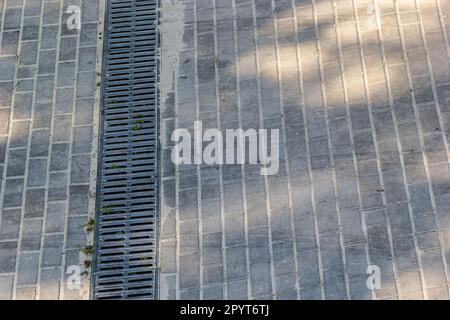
127	201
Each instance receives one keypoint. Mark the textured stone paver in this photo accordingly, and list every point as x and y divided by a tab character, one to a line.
48	125
360	90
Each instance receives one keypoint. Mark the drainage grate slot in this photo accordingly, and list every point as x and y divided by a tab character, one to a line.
124	266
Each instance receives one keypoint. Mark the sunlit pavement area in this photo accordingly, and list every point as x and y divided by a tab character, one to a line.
48	141
359	90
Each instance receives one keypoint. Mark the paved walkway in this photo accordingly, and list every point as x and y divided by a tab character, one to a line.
48	129
360	91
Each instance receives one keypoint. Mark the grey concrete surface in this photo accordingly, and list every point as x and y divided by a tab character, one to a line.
359	90
48	143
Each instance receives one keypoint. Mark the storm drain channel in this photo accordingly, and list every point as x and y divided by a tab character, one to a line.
127	197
